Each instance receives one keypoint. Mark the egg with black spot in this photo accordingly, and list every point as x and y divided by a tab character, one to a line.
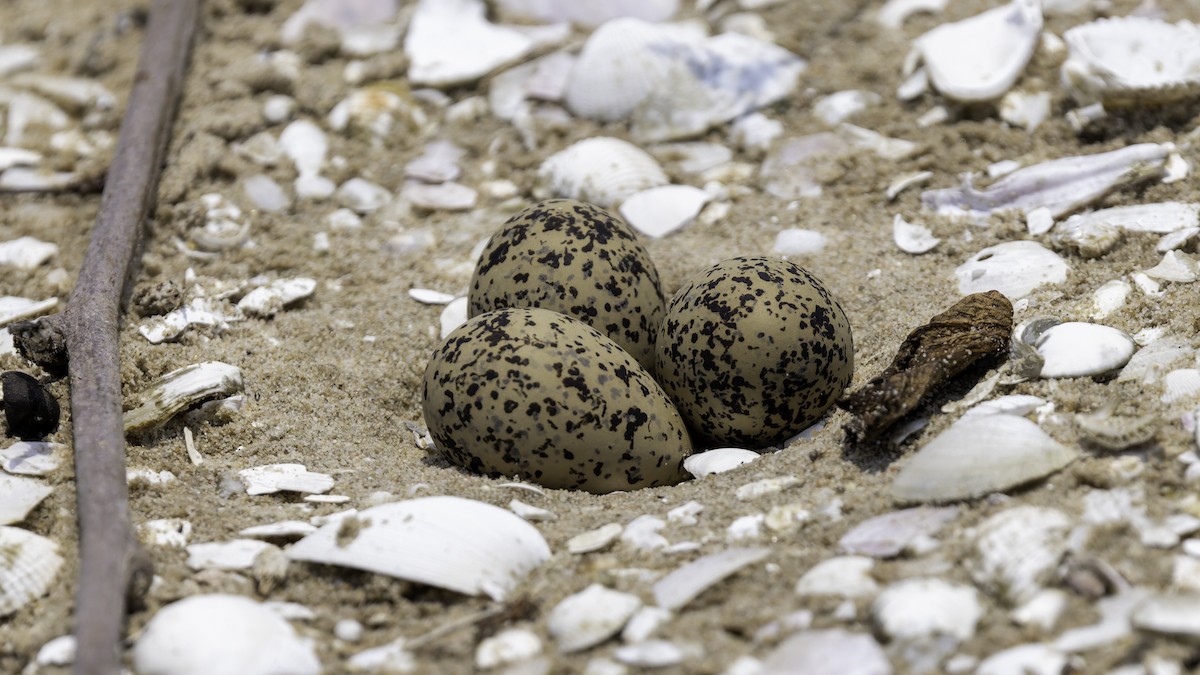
753	351
577	259
534	394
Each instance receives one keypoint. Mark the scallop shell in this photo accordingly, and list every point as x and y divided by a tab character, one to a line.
979	455
979	58
459	544
1079	349
1132	59
28	565
602	170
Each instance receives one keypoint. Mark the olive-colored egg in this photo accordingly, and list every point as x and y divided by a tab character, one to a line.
532	393
576	259
753	351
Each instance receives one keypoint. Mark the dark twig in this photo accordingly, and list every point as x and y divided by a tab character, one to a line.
110	557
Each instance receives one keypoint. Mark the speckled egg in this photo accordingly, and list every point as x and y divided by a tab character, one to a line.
576	259
753	351
535	394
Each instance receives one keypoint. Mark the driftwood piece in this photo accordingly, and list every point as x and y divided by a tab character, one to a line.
976	327
112	563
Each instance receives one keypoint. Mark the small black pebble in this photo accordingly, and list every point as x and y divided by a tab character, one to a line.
31	411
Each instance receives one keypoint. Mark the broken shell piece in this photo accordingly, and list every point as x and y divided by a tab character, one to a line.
1078	349
1061	185
32	458
13	309
306	145
284	529
1160	217
19	496
840	106
924	608
509	646
179	390
979	455
1017	550
272	478
603	171
906	181
661	210
911	238
1103	429
269	300
979	58
1132	60
1110	297
225	226
594	540
1014	268
826	651
165	532
590	13
590	617
886	536
717	460
459	544
1182	384
846	576
683	585
1089	239
1025	110
200	312
237	554
26	253
1174	266
31	411
30	564
218	633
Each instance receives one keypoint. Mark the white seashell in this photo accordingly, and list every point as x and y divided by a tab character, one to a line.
459	544
1018	549
306	145
271	478
883	146
894	12
1160	218
603	171
916	609
32	458
680	587
979	455
265	193
362	196
979	58
887	535
827	651
200	312
180	389
262	148
31	563
216	633
268	300
427	296
74	93
1078	349
642	533
1177	239
10	157
661	210
1025	110
238	554
512	645
529	512
165	532
1026	659
651	654
453	316
19	496
766	486
755	132
26	253
1110	297
437	164
914	239
439	28
746	527
590	13
21	179
644	623
1174	266
278	108
1039	221
1132	60
447	196
57	652
590	617
1181	385
27	110
1114	624
717	460
906	181
149	476
594	540
693	157
1061	185
793	168
1015	268
393	657
796	241
1043	610
376	110
840	106
1175	614
847	576
16	58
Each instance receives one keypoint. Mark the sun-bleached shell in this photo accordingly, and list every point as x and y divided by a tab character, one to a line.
459	544
33	458
453	316
912	238
271	298
1024	109
845	576
886	535
217	633
1109	297
1017	550
180	389
272	478
827	651
1174	266
923	608
1159	217
165	532
594	540
1015	268
19	496
1181	385
30	565
590	617
589	12
200	312
979	58
661	210
1132	59
26	253
512	645
602	170
717	460
1079	349
894	12
979	455
683	585
236	554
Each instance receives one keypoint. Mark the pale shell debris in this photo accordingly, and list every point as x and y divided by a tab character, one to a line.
717	460
273	297
200	312
590	617
766	486
1170	614
797	241
14	309
459	544
915	609
236	554
1132	59
895	12
590	13
1159	217
595	540
978	455
1017	550
30	565
827	651
272	478
887	535
681	586
1024	109
602	170
659	211
448	196
840	106
912	238
1015	268
26	253
165	532
180	389
847	576
1079	349
1109	297
1175	266
512	645
306	145
32	458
